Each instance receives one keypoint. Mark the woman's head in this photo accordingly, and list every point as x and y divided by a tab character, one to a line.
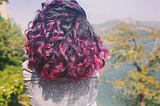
61	42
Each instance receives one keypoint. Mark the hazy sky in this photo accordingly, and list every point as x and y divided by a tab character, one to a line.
98	11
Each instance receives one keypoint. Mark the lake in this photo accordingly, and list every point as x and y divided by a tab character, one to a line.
106	93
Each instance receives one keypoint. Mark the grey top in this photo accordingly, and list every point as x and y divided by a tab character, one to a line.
59	92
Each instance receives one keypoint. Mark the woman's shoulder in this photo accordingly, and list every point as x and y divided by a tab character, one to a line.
25	64
29	74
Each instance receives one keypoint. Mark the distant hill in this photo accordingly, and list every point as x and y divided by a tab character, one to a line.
143	25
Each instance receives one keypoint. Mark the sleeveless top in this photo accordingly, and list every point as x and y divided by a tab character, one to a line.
55	92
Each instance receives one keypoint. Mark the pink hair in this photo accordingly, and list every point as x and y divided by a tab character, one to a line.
61	43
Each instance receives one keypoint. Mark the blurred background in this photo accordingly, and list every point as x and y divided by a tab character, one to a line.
129	29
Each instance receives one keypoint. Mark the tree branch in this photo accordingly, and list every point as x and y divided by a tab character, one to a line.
136	65
140	59
153	49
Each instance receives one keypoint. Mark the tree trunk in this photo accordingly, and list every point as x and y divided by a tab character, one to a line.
141	96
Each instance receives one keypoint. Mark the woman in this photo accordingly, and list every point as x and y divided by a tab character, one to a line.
64	57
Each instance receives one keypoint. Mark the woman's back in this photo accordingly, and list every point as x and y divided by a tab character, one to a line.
56	92
64	55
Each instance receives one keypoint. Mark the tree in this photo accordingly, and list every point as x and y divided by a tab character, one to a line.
143	53
11	41
11	57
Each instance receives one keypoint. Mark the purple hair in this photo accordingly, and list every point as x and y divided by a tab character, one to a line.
61	43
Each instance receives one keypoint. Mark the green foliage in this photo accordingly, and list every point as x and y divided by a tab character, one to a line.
11	85
143	53
11	41
11	57
24	100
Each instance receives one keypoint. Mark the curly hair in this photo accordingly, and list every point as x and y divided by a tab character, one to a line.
60	42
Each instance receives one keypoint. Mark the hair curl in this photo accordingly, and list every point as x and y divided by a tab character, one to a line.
60	42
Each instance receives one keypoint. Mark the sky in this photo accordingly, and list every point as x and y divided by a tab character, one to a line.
98	11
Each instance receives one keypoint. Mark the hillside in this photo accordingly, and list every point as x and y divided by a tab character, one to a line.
143	25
